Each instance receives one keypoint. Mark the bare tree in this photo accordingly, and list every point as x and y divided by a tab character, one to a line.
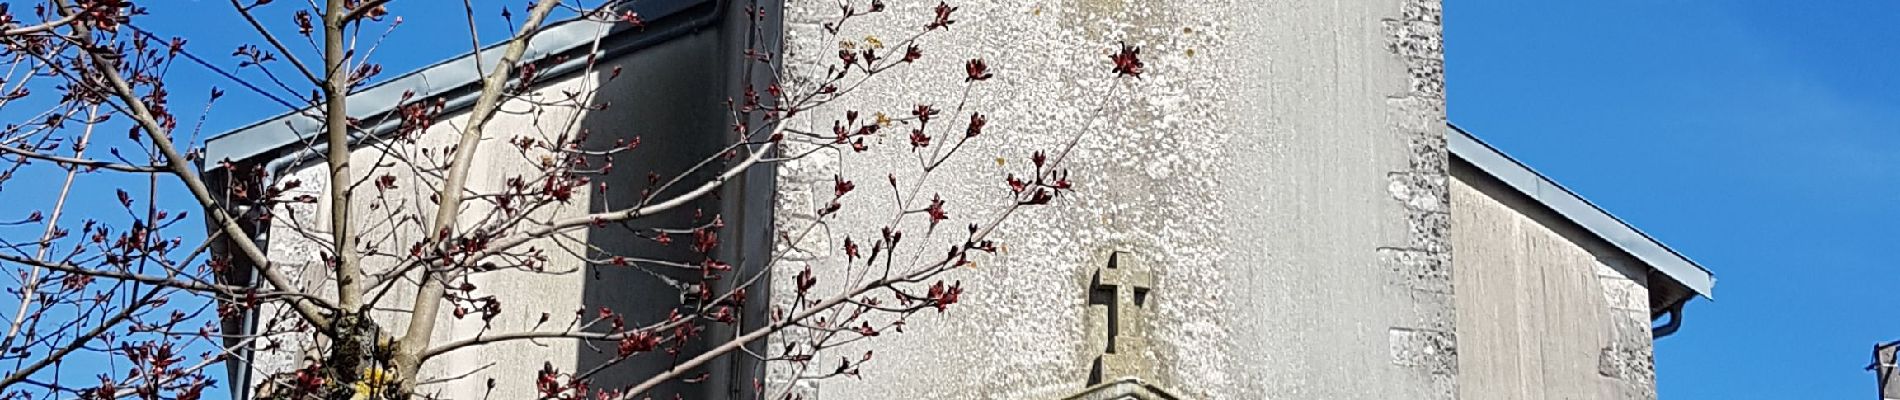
134	299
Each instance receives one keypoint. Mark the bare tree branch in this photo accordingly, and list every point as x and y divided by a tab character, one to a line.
81	162
336	129
279	45
429	297
187	173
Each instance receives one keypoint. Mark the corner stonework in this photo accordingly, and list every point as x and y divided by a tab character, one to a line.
1422	264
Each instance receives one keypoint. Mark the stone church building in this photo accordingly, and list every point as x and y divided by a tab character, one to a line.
1281	187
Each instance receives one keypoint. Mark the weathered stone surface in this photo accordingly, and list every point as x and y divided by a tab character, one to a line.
1280	165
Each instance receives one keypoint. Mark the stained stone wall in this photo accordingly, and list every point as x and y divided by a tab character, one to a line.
1545	309
1281	168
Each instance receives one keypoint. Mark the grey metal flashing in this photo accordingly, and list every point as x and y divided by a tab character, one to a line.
1585	214
452	80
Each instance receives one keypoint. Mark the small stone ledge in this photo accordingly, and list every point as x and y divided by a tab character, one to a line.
1124	389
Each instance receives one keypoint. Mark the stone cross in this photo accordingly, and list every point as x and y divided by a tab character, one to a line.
1122	288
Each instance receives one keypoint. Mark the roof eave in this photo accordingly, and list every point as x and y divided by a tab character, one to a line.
449	80
1594	219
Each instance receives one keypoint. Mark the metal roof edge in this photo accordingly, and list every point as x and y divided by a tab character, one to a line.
1582	212
432	81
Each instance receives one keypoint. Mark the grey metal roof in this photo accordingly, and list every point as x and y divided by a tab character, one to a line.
454	79
1592	218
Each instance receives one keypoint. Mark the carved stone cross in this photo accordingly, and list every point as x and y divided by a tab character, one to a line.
1122	287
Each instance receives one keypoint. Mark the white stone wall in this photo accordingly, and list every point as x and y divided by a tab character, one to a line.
296	248
1545	310
670	89
1281	166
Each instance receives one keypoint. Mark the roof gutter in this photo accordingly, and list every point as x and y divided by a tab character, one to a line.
1674	324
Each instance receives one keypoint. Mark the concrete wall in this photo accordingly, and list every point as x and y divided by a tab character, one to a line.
1281	166
1545	310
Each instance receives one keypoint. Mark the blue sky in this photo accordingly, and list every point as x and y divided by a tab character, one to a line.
1760	138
